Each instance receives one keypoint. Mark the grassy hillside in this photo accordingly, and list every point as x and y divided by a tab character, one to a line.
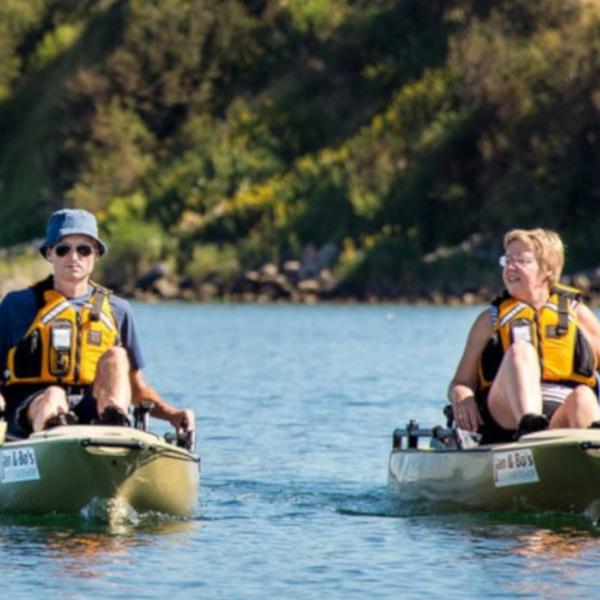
409	135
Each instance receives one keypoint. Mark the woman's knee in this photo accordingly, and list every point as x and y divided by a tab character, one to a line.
522	352
582	398
580	408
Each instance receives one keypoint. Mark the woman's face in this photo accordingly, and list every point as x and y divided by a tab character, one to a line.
522	274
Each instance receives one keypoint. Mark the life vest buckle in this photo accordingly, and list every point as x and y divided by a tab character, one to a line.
556	331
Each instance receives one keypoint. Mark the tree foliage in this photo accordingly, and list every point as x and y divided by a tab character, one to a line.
254	128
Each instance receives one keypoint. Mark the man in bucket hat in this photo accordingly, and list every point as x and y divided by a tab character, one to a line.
69	350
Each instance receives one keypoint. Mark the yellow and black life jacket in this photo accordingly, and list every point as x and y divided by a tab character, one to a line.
63	344
565	353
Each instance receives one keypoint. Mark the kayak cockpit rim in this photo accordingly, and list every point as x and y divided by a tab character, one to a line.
440	438
184	440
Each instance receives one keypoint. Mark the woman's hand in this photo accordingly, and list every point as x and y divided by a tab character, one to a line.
466	413
461	389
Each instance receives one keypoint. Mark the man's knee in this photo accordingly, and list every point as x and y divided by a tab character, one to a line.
114	362
52	397
112	377
115	356
51	401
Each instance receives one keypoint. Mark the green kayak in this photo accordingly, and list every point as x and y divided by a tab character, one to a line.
552	470
67	469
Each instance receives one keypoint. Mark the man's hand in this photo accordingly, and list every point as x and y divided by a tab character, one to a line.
183	420
2	403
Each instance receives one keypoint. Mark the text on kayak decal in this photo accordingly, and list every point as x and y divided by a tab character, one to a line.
515	467
18	464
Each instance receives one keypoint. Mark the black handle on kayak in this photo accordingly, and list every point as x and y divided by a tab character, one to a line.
449	414
590	446
182	439
141	415
412	432
450	437
127	444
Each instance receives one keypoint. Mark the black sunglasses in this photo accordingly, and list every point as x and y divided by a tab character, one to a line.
81	249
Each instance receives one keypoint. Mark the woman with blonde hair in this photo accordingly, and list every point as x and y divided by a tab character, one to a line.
530	359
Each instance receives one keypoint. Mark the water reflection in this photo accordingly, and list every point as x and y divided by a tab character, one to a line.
553	561
520	555
83	549
555	545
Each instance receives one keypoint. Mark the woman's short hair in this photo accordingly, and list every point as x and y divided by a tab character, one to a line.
547	247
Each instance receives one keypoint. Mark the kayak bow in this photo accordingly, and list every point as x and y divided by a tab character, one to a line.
557	469
66	469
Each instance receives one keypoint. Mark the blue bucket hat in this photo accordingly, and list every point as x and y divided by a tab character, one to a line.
71	221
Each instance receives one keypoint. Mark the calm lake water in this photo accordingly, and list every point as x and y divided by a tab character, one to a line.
295	409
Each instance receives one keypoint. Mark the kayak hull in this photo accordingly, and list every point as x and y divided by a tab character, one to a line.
66	469
555	470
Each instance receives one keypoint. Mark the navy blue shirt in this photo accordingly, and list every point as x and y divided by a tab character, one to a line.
18	310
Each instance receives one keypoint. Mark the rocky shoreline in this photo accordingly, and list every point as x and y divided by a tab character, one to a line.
290	283
308	280
270	285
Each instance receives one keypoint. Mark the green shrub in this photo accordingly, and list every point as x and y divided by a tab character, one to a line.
213	263
23	264
55	42
134	244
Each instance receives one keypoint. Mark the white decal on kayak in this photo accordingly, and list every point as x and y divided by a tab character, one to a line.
514	468
18	464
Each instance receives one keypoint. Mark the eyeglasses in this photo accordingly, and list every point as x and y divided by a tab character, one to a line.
83	250
517	261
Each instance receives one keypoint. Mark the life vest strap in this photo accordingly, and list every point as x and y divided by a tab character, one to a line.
100	293
563	314
96	309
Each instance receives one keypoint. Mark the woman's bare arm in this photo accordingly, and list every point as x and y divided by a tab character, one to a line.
461	391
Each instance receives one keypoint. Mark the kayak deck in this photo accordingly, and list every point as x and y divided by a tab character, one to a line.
65	469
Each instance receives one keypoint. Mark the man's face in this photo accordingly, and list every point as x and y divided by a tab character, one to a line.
73	257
